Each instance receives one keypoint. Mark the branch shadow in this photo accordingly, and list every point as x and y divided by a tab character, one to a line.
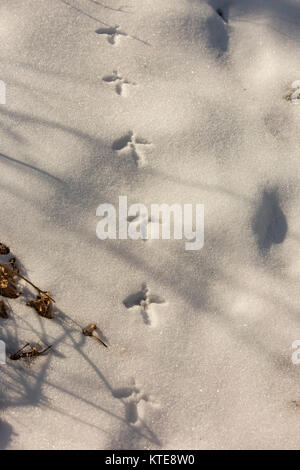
6	434
79	10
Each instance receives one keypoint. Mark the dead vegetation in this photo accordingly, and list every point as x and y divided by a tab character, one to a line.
43	305
90	330
33	352
8	282
10	288
4	250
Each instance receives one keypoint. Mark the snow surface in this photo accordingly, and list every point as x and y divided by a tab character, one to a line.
210	367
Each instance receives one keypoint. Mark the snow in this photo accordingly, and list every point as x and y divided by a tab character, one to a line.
209	365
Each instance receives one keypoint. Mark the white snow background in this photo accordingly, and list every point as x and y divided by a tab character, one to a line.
210	367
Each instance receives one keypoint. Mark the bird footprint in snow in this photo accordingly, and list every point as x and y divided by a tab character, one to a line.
121	84
143	300
132	145
149	225
112	33
134	400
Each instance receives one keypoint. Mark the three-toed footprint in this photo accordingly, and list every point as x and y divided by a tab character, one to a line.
112	33
148	226
143	301
133	145
134	401
121	84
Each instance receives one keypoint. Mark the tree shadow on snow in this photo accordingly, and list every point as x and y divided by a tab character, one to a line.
6	434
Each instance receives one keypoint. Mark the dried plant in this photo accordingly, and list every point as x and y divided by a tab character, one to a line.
90	330
4	250
42	304
8	274
8	282
33	352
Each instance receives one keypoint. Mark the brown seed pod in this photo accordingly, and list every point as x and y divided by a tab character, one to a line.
4	250
42	304
89	331
8	286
